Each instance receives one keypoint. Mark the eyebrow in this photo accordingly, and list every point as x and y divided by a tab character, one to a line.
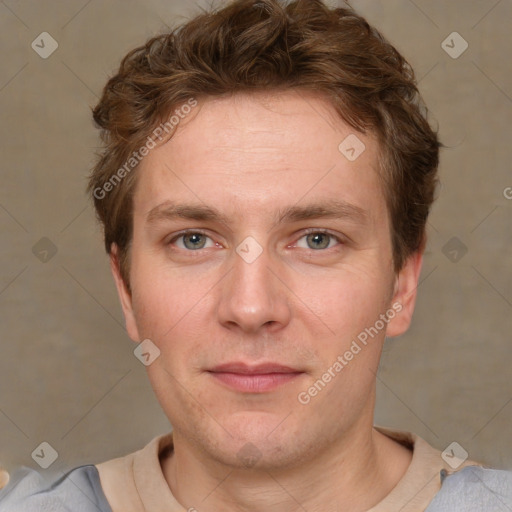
335	209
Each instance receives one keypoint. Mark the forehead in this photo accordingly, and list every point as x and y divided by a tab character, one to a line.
248	151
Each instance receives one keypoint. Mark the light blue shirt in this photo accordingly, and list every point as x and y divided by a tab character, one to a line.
472	489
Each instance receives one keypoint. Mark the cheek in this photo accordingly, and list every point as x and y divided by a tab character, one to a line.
170	307
158	293
348	300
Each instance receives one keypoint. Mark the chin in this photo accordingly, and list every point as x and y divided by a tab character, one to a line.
257	442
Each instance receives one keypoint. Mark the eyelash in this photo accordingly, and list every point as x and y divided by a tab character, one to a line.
338	238
305	233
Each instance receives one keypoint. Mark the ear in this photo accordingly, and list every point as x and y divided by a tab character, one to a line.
124	295
404	295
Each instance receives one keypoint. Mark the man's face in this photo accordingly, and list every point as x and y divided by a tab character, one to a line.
273	288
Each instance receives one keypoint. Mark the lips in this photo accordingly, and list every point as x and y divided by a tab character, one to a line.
254	378
259	369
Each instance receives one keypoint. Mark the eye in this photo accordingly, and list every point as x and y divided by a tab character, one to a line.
191	240
317	240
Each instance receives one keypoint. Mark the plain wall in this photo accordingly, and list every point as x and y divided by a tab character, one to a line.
68	375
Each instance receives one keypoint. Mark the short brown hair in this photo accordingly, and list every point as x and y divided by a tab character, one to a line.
254	45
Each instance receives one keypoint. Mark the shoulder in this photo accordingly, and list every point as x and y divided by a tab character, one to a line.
79	490
474	489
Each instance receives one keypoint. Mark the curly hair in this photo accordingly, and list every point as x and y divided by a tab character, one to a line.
251	45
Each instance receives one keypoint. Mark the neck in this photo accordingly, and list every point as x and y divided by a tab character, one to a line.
352	475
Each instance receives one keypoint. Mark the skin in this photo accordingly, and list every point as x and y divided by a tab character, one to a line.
300	303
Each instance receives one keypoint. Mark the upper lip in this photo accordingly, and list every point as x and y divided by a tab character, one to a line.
258	369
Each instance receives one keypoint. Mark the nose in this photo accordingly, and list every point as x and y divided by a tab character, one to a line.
253	297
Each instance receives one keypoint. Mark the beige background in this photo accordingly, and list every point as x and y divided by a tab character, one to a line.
68	375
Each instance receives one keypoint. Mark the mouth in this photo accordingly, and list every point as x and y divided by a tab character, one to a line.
254	378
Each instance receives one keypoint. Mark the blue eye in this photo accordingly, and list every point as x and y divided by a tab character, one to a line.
318	240
192	240
314	240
